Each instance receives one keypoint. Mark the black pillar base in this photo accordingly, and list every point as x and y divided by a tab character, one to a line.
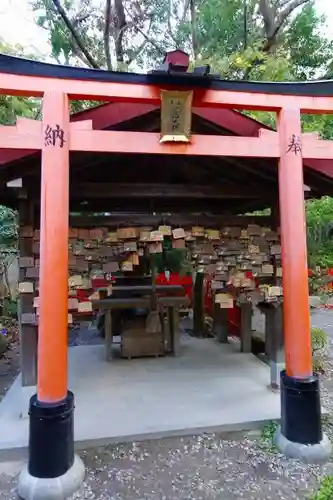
51	439
301	410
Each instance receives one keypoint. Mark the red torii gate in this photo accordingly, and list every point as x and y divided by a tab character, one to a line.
55	136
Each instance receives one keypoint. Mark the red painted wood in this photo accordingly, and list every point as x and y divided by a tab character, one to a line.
113	114
296	317
106	115
178	58
53	280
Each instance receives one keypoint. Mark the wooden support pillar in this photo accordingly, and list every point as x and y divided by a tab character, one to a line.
274	341
53	285
108	332
173	317
246	326
220	325
26	311
51	410
275	215
294	252
301	434
199	305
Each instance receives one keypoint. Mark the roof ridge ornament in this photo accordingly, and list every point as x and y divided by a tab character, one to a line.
178	62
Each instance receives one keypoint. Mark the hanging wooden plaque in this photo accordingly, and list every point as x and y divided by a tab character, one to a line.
178	233
26	287
176	116
165	230
213	234
84	307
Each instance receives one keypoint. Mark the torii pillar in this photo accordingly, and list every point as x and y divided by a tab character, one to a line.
53	470
301	433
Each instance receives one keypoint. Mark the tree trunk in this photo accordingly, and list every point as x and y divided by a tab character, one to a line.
194	30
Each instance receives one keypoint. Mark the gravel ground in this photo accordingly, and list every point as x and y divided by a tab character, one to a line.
207	467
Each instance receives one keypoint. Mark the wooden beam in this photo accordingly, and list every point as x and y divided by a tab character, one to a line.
112	114
148	142
101	118
27	134
318	149
23	135
183	191
33	86
189	220
165	205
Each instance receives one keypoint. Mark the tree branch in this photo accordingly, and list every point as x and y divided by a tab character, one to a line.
81	19
137	52
77	52
273	24
145	35
74	33
106	35
120	25
283	3
141	46
169	21
150	40
290	7
194	29
185	10
268	17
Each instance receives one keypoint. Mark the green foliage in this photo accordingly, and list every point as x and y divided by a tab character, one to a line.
319	340
309	50
322	124
319	215
8	229
268	431
10	308
325	491
268	435
237	38
77	106
221	28
11	106
319	283
266	212
8	247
